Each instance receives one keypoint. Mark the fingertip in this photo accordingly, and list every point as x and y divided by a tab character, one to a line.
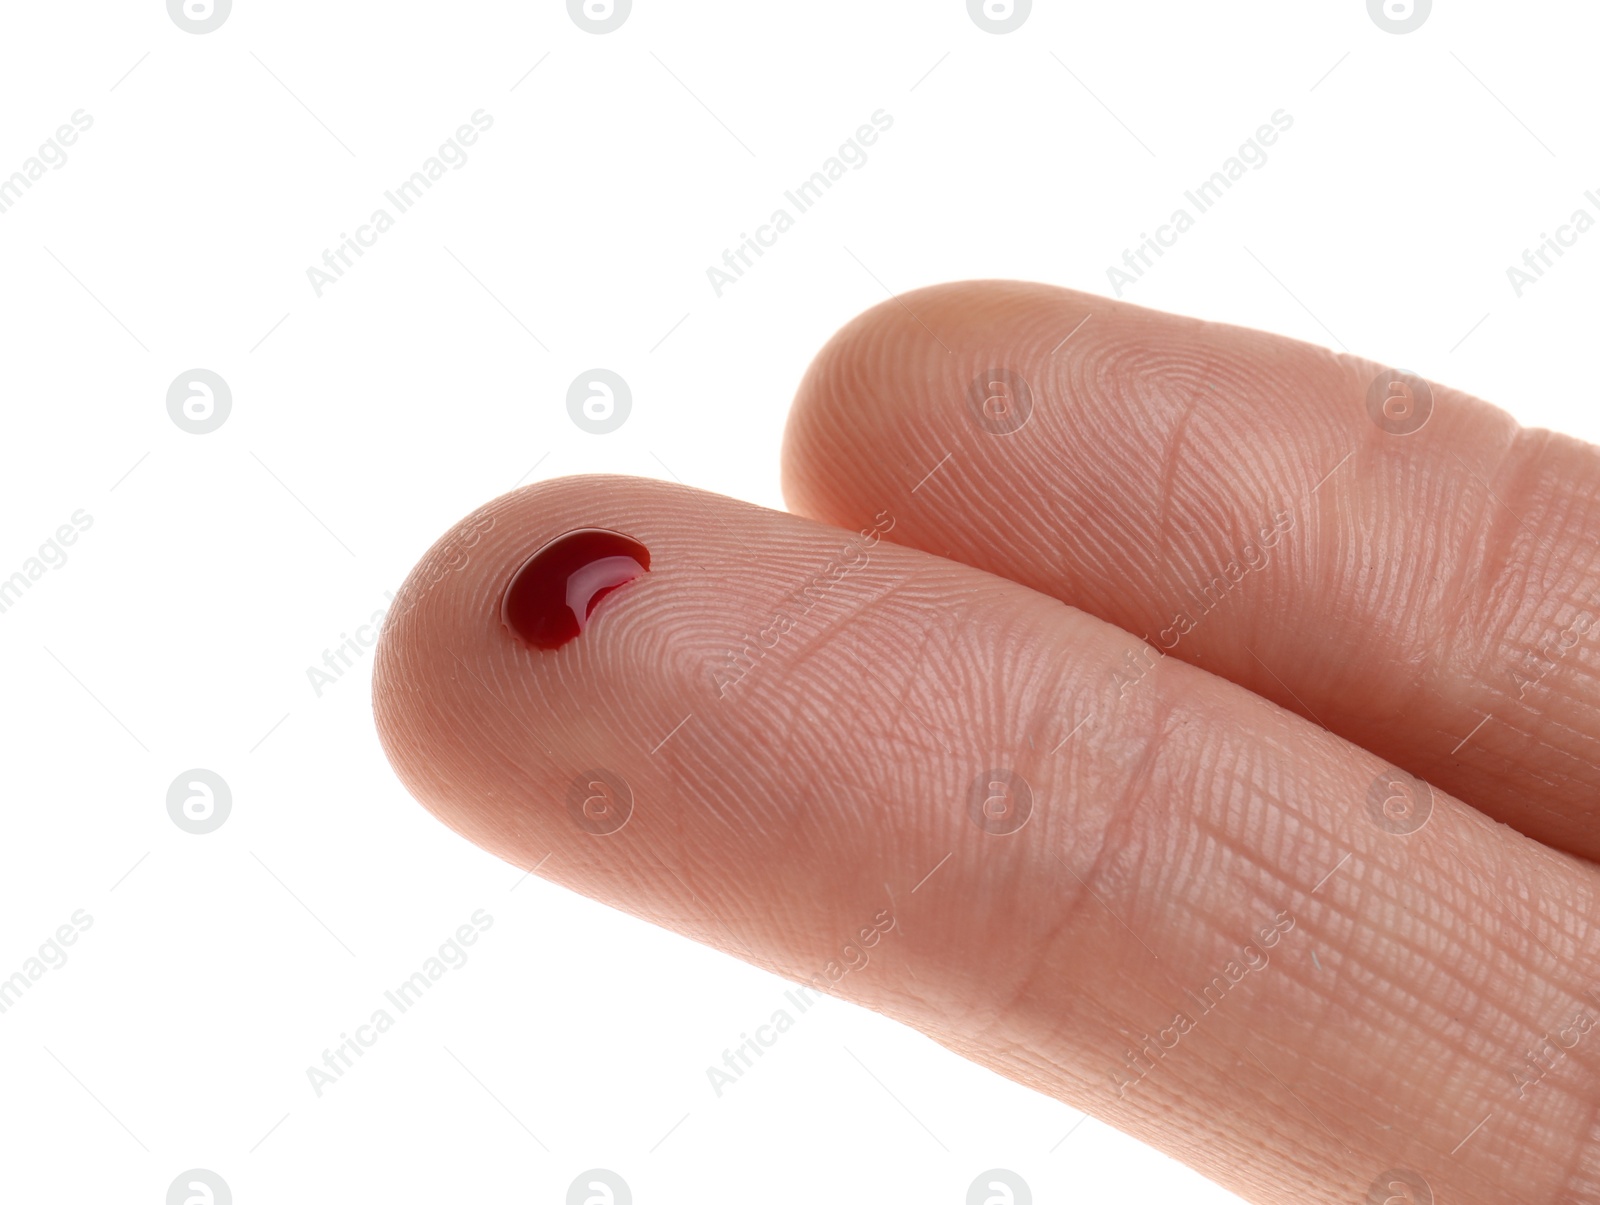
452	700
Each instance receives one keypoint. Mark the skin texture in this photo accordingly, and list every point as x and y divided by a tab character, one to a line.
1426	584
1362	964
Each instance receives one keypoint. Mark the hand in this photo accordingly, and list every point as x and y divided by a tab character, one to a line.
1192	724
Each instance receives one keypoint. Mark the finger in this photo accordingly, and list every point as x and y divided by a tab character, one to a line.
909	783
1249	504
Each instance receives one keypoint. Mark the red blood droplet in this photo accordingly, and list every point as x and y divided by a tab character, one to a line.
552	595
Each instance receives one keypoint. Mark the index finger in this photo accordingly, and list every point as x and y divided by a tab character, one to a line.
1189	912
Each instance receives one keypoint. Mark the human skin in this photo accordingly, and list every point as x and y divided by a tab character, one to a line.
1373	973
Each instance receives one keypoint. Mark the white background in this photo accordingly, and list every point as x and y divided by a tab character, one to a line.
218	568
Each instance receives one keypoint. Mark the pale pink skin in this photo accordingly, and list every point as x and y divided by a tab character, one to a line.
1188	826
